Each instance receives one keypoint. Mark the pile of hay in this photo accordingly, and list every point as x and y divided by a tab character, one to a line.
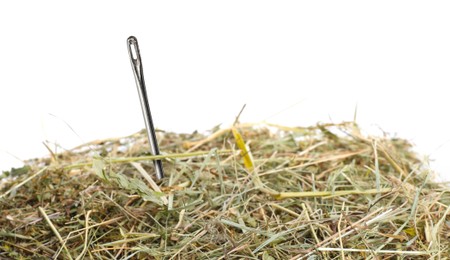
247	192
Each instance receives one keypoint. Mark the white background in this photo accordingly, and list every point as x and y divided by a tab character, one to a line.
291	62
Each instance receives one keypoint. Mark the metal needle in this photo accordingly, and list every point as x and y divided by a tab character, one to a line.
136	64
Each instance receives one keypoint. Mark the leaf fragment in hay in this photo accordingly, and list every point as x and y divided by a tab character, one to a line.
132	185
411	231
98	166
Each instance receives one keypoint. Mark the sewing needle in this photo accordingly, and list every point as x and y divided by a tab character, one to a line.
136	64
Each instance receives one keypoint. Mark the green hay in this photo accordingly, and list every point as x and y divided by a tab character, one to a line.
320	192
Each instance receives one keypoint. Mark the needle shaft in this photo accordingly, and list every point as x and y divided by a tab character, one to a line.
136	64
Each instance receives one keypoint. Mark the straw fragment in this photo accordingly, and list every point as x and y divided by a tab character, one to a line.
55	231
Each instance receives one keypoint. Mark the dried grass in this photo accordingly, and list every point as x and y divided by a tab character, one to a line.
247	192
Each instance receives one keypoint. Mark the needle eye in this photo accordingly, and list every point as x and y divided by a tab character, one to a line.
133	50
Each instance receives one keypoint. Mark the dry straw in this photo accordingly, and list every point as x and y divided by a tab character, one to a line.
247	192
